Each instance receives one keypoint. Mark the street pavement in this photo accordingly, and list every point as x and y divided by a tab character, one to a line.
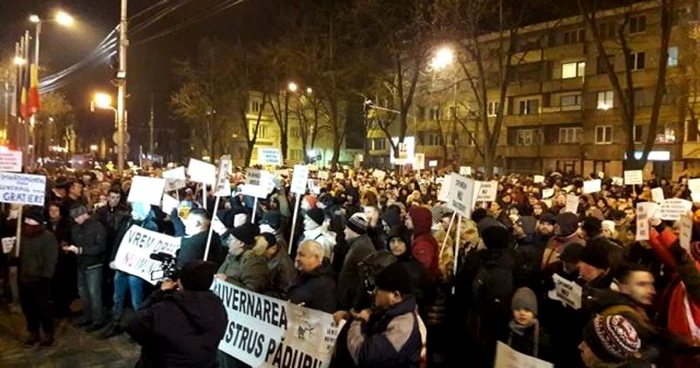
73	347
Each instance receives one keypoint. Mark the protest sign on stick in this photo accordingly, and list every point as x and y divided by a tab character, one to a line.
507	357
175	179
145	189
134	254
298	187
645	210
222	188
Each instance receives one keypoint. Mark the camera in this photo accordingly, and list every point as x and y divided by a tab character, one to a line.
168	270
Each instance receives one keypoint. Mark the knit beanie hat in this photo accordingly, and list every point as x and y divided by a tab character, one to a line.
591	225
358	223
246	233
317	215
35	213
568	223
548	217
272	219
394	278
524	298
612	338
197	275
78	210
595	254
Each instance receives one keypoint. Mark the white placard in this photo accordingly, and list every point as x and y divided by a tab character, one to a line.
486	191
444	194
379	174
634	177
323	175
672	209
218	226
506	357
11	161
591	186
22	188
568	292
686	232
175	179
461	194
465	170
432	163
299	178
616	180
145	189
657	195
695	197
253	176
340	176
571	204
601	174
169	204
254	191
538	179
287	330
201	172
694	185
222	188
419	161
8	244
133	256
547	193
270	156
644	211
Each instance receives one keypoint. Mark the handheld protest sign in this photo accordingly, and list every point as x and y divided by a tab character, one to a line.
136	248
270	156
298	187
634	177
591	186
222	188
145	189
201	172
11	161
175	179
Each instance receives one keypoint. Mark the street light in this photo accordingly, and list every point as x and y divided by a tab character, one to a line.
18	60
442	58
103	101
34	18
292	87
64	19
309	90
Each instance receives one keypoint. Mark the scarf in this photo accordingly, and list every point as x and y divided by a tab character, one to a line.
520	330
32	230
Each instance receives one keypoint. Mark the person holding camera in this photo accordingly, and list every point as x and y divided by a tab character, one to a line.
181	324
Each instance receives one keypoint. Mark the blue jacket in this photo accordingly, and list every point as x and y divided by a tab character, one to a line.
390	339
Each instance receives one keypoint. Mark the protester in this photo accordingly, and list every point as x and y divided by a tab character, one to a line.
280	266
315	286
195	234
350	278
315	229
423	245
609	341
64	283
245	265
526	335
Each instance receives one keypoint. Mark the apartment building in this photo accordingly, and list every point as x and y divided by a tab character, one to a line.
561	112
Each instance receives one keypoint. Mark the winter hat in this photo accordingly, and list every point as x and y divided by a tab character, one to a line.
78	210
311	199
357	223
612	338
524	298
394	278
548	217
197	275
496	237
595	254
316	215
35	213
141	209
591	225
246	233
610	226
568	223
272	219
571	253
270	240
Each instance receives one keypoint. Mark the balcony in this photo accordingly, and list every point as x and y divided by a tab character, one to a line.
564	51
691	150
545	150
562	85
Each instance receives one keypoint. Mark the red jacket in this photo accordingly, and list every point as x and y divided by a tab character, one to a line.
424	246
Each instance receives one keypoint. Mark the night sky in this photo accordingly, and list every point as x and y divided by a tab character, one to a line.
150	63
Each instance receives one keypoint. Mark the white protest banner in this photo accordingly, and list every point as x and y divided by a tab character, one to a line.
695	197
8	244
201	172
657	195
145	189
506	357
11	161
618	181
686	232
571	204
568	292
257	191
175	179
633	177
644	211
379	174
591	186
538	179
340	176
547	193
169	203
672	209
323	175
133	256
419	161
299	178
222	188
486	191
22	188
432	163
444	194
270	156
694	185
461	194
465	170
277	329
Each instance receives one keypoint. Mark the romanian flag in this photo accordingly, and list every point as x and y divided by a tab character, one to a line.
23	106
34	103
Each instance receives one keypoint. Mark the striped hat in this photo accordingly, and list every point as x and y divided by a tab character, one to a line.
358	223
612	338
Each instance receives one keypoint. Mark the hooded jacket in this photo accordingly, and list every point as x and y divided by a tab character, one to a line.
178	329
424	288
37	256
316	289
424	246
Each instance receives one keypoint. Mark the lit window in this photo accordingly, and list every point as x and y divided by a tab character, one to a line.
527	137
673	56
603	134
573	70
605	100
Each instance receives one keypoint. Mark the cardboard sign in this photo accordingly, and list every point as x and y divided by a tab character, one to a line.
465	170
299	178
568	292
281	330
252	177
634	177
201	172
538	179
340	176
657	195
694	185
379	174
419	161
507	357
145	189
686	232
8	244
461	194
547	193
591	186
175	179
169	204
223	186
270	156
486	191
432	163
11	161
695	197
644	211
22	188
444	194
571	204
218	226
133	256
616	180
672	209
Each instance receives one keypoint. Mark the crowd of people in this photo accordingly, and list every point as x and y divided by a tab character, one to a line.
377	251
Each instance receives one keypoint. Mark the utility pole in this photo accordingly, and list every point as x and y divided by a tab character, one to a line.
151	123
121	94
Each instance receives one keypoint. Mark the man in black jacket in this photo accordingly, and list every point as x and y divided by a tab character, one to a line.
315	287
89	244
181	324
111	216
194	243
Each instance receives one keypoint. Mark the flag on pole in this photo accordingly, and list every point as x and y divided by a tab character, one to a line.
34	103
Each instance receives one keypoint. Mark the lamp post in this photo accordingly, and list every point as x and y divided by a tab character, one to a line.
103	101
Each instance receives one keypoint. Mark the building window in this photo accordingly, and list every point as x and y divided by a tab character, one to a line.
570	135
295	132
433	139
672	56
255	106
528	107
262	131
421	113
471	139
527	137
606	30
605	100
378	144
296	154
435	113
603	134
638	24
575	36
573	70
667	137
492	108
636	60
453	112
570	100
637	133
603	66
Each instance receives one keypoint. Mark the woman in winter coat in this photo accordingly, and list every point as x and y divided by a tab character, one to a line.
424	247
423	285
525	334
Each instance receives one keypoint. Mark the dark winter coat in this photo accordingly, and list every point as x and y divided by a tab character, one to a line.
149	224
91	238
281	275
525	342
193	247
424	246
37	256
424	288
178	329
61	230
350	278
112	219
248	271
315	289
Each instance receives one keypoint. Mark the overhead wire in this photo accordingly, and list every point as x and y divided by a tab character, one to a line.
144	11
156	17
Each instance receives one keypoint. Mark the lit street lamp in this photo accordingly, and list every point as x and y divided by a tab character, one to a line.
19	61
442	58
309	90
292	87
102	101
